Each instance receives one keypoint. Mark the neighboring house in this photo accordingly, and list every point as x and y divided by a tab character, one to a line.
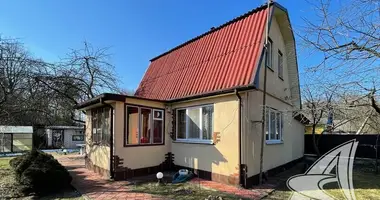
342	127
64	136
16	138
199	106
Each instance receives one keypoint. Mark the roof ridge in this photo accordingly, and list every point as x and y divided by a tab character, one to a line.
254	10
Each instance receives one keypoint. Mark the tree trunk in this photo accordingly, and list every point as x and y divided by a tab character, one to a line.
363	124
316	150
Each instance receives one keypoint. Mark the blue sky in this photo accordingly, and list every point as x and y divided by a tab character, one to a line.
135	31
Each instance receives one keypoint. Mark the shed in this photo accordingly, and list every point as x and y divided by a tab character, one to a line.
64	136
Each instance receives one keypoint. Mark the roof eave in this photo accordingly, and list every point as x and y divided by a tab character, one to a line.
213	93
99	99
110	97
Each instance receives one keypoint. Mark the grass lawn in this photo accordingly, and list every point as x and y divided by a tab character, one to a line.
8	183
185	191
366	184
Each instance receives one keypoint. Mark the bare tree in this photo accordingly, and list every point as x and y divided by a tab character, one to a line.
84	74
35	92
316	105
347	39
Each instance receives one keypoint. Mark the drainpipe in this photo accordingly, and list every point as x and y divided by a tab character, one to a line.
111	138
239	141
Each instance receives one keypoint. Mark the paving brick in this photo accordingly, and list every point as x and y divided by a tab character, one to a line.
94	186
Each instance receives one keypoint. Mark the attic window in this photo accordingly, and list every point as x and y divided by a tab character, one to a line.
269	56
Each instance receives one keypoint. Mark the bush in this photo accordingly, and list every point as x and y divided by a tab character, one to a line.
39	173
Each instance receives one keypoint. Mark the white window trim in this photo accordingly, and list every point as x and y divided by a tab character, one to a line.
194	140
151	121
162	113
274	141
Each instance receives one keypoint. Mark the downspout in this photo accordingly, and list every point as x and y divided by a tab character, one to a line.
242	181
111	138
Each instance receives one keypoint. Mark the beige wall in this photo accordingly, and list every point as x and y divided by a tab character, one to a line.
139	156
275	85
99	155
274	154
279	97
221	158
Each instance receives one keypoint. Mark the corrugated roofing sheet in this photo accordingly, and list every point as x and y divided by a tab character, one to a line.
222	58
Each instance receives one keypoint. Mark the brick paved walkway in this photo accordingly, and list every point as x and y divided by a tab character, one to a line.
93	186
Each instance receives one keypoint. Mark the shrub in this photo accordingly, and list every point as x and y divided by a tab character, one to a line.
38	172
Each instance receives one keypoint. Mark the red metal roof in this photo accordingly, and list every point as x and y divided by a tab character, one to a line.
225	57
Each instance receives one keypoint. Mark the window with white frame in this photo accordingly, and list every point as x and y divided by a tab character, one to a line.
143	126
195	124
269	56
280	65
274	125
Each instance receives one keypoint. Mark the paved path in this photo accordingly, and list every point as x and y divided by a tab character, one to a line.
93	186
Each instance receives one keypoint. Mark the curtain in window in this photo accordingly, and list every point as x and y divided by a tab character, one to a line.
181	129
157	134
194	123
133	125
272	125
278	126
207	115
145	126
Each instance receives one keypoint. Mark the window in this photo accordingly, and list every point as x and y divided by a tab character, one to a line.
195	124
144	126
269	56
158	124
78	138
274	125
181	124
280	65
101	125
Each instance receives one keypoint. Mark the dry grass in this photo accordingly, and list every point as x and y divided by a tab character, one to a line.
185	191
366	184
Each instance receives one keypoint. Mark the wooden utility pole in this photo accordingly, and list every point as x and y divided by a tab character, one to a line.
263	118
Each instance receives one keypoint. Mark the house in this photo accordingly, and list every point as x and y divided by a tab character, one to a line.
64	136
16	138
199	106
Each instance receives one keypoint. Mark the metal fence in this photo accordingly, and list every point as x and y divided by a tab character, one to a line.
366	147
